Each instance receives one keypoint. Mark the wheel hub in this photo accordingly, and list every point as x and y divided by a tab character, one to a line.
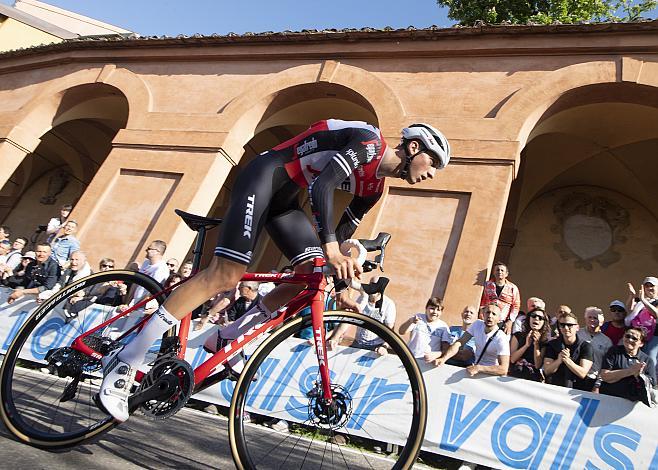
331	415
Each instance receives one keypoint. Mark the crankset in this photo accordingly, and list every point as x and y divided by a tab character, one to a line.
165	389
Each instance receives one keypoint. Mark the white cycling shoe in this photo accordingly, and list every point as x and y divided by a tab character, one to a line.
118	379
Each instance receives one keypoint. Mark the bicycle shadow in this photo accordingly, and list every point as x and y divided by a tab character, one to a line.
187	440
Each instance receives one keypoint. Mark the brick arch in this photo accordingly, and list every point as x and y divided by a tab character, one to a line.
243	114
523	110
38	114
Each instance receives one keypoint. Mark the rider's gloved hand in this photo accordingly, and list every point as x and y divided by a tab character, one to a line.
345	267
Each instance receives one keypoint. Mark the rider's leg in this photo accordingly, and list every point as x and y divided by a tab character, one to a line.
120	366
263	309
222	274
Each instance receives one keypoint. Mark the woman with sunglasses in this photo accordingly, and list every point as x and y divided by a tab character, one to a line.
527	347
623	366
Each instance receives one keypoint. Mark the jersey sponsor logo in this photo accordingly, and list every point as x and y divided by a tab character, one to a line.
371	149
307	146
346	185
248	216
353	155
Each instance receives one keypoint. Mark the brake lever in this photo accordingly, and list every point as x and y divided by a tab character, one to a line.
379	243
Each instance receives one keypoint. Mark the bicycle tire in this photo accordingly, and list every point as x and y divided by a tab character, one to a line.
28	410
251	387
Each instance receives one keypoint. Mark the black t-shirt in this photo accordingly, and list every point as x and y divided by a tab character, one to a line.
563	376
529	354
499	289
617	359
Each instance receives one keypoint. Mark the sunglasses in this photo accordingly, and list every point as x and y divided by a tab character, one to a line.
110	266
567	325
538	317
631	338
171	265
617	310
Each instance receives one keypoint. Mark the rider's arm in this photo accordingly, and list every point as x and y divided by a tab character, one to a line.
321	191
353	214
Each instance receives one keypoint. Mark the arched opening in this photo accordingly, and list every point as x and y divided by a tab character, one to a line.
290	112
68	156
582	218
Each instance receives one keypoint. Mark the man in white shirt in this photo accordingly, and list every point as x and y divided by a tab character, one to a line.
155	266
364	339
491	345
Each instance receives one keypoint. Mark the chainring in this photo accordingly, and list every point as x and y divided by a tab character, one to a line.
163	409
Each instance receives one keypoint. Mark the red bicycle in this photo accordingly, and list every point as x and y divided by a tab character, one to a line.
337	402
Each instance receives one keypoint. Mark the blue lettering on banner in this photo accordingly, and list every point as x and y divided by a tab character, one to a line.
574	436
265	370
285	377
299	409
89	320
456	429
605	440
54	324
18	323
226	388
199	357
366	360
379	391
541	427
654	460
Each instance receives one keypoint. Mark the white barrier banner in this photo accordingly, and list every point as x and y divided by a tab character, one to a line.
499	422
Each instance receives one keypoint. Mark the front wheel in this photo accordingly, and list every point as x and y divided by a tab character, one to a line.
378	400
47	388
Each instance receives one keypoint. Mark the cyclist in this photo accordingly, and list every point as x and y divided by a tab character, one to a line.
350	155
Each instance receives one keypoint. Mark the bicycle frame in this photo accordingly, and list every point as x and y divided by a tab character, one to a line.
312	295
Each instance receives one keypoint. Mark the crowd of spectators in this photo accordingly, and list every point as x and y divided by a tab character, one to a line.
617	356
59	260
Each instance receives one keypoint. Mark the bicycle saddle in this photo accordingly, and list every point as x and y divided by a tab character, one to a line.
195	222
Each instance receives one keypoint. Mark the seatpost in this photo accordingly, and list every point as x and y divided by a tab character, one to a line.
198	249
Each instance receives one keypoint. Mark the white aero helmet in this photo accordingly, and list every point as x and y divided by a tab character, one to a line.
433	140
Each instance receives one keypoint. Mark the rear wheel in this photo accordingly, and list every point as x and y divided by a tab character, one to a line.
378	401
48	389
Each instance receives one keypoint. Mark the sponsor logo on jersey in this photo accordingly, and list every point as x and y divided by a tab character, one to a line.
307	146
371	151
248	216
346	185
353	155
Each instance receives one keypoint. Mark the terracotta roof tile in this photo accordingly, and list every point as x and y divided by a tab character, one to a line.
348	34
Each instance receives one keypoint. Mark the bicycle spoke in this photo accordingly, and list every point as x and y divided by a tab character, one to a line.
349	415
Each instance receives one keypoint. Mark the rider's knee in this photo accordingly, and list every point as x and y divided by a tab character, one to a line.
223	274
304	268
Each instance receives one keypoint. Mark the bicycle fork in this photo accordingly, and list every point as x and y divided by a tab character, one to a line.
319	336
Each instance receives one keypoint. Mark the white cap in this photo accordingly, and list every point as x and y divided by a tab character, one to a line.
650	280
30	254
618	303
